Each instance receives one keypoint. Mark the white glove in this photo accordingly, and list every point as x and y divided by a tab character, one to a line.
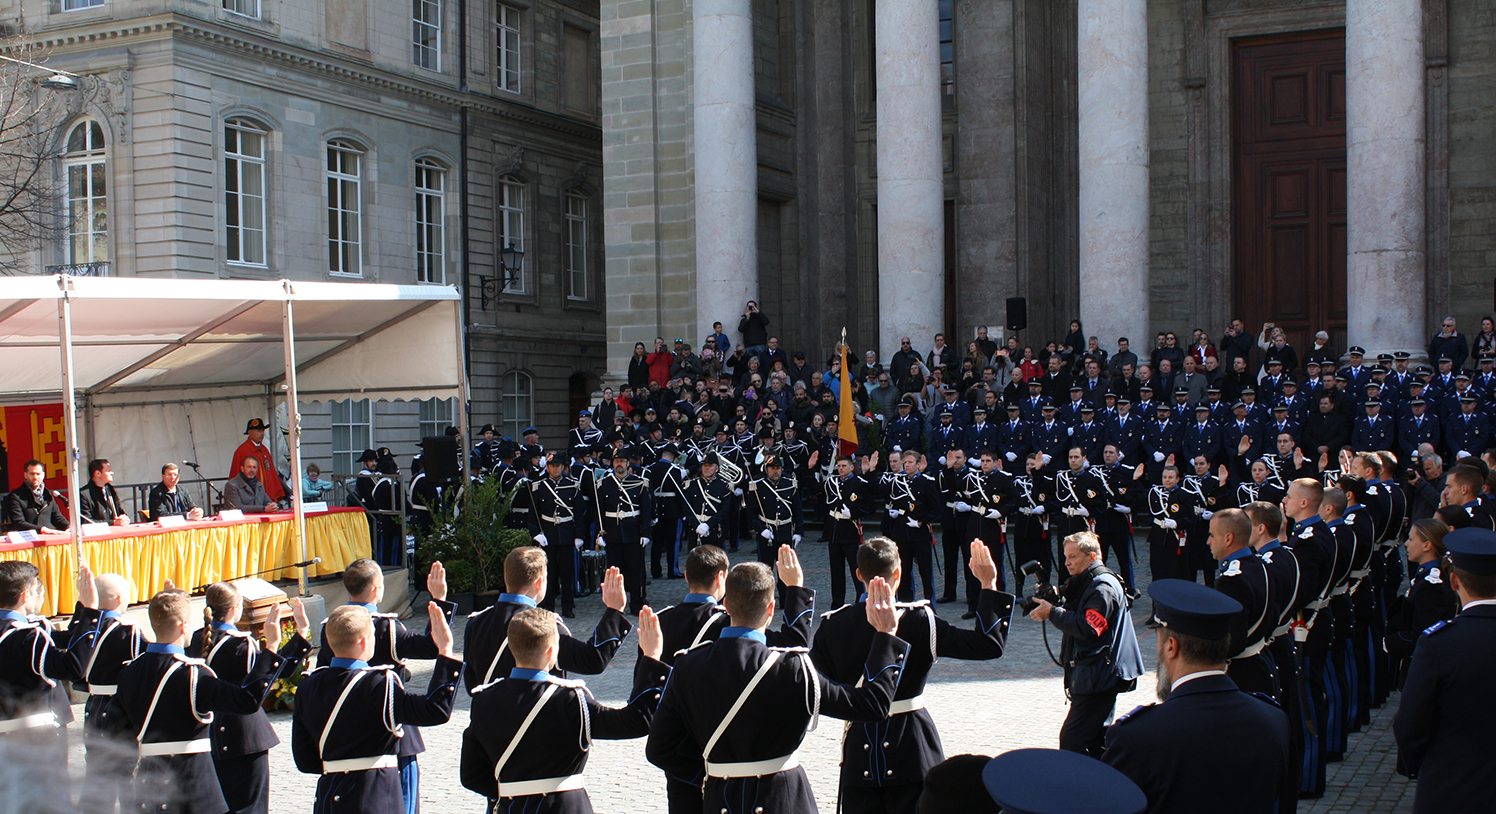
893	512
1069	430
912	523
702	529
1042	510
1170	524
1461	455
942	460
1082	511
878	417
1123	509
601	543
994	514
795	539
1046	459
1011	456
1206	515
963	506
766	534
1158	456
578	543
839	515
541	541
738	492
644	542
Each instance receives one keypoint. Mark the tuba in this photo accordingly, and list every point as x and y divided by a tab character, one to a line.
731	472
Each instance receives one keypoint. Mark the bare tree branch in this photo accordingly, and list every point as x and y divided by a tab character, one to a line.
31	213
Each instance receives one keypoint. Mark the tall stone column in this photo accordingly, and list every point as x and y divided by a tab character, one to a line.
1385	124
726	148
911	184
1113	136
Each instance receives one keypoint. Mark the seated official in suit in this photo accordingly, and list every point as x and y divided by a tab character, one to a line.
245	492
167	499
30	507
98	500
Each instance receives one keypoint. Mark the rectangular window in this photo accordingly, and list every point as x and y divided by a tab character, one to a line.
431	253
576	246
344	227
244	192
246	8
517	403
512	229
947	48
436	417
576	70
87	198
74	5
507	41
426	34
352	433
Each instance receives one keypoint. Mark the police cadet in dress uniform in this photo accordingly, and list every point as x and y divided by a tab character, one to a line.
350	714
1029	523
956	519
1171	510
531	732
364	582
1208	493
1049	437
884	763
736	711
913	503
666	481
165	702
906	431
626	505
1314	546
115	643
241	744
1429	600
1114	523
992	494
847	500
700	617
1172	749
558	514
1161	441
774	507
710	505
486	656
1445	719
1080	495
1242	575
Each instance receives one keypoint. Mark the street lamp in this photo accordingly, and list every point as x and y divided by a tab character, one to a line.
511	259
59	80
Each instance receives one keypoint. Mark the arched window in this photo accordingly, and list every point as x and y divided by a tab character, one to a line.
87	200
344	207
431	241
517	402
512	228
244	143
576	245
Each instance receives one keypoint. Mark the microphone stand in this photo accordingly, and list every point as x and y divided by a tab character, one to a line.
312	561
212	490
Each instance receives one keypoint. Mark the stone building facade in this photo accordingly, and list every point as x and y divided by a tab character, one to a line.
327	140
1146	165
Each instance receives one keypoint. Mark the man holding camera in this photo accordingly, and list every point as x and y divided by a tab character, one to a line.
1099	651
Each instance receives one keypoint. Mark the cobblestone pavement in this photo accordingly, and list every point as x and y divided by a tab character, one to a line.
980	707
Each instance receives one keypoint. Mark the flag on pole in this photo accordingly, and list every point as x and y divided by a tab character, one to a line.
846	429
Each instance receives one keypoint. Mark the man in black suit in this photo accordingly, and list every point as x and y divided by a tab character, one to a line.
100	501
1168	748
1444	722
30	506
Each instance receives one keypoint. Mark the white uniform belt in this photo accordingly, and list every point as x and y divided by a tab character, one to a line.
549	785
1318	604
769	522
518	510
664	494
1072	512
360	764
36	720
620	515
1386	545
757	768
1282	630
1361	574
951	505
164	748
102	689
1250	651
907	705
557	520
1340	589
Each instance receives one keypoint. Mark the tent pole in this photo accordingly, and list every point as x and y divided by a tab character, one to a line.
288	341
70	419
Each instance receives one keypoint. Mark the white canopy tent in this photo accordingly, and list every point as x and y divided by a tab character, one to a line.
211	343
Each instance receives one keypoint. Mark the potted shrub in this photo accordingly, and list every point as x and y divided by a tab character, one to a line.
471	541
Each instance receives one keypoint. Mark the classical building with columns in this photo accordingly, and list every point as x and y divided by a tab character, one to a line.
901	167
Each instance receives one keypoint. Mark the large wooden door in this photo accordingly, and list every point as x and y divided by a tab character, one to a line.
1289	192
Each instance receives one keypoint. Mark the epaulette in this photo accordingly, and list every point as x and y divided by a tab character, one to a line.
697	646
476	614
384	615
1436	627
573	683
1136	711
791	649
1233	569
923	603
482	687
1433	577
1307	533
315	669
836	610
1267	698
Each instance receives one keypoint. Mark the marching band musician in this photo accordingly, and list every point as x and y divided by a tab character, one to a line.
666	483
847	502
558	503
626	522
709	504
774	503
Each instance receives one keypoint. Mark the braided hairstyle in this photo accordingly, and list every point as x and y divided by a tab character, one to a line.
222	600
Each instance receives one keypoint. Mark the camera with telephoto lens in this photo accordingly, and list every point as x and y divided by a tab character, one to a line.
1045	591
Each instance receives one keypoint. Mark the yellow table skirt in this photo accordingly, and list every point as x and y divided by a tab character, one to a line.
201	554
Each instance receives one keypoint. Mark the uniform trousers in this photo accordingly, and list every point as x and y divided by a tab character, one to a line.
628	557
1392	576
561	568
662	545
845	537
1284	657
246	782
1321	704
1343	661
410	782
956	544
107	777
1032	548
1084	729
1165	559
916	547
902	799
1119	543
990	532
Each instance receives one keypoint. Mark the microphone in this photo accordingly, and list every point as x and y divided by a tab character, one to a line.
312	561
191	464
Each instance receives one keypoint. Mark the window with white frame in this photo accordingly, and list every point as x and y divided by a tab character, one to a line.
517	403
506	37
244	191
74	5
87	201
431	254
352	433
344	224
245	8
576	246
426	34
512	228
436	417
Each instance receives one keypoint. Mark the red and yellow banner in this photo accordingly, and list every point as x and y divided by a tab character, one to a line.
33	431
846	421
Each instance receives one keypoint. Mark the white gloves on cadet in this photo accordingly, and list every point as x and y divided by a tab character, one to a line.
795	539
578	543
738	492
766	534
1158	456
1011	456
1123	509
601	543
702	529
1170	524
912	523
644	542
994	514
541	541
942	460
963	506
840	515
1206	515
893	512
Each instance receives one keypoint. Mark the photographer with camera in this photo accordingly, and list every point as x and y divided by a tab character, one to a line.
1099	651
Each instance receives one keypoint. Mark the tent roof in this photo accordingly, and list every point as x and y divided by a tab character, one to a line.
134	334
